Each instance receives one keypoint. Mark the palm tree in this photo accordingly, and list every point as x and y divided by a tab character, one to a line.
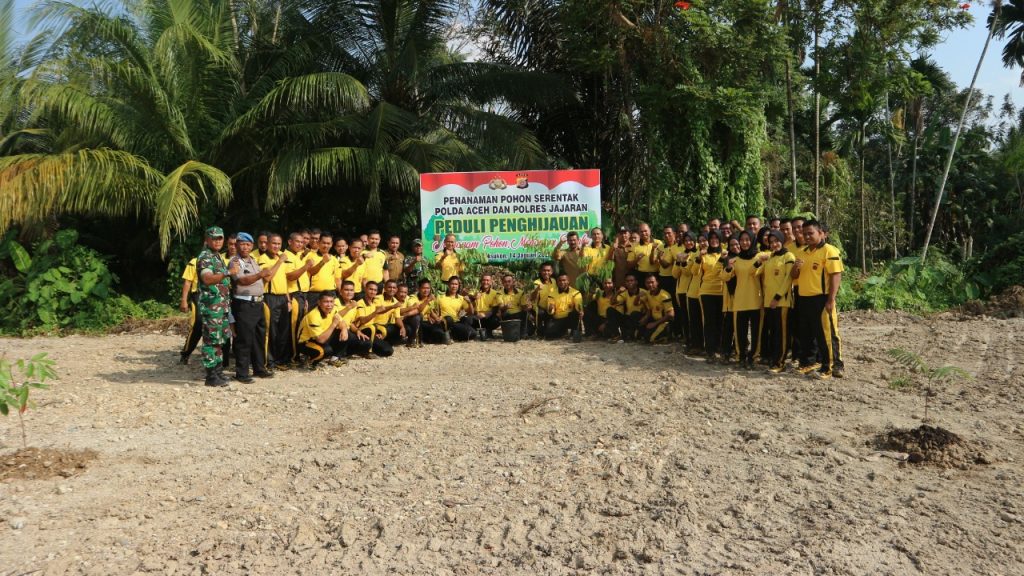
1010	22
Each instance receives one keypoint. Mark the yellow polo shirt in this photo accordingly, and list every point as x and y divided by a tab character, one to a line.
776	279
565	302
326	278
514	301
374	262
189	275
313	325
292	263
357	275
451	266
452	305
819	262
641	254
276	284
658	304
390	317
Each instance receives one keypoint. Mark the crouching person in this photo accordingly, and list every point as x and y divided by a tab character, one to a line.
565	309
322	332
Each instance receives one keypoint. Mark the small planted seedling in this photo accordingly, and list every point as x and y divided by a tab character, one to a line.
923	376
17	379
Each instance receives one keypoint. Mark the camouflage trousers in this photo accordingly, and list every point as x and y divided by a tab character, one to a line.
216	333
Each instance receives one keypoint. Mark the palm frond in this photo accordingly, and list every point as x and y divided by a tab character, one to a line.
35	187
907	359
177	199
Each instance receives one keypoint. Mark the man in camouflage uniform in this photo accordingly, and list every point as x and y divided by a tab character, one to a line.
214	305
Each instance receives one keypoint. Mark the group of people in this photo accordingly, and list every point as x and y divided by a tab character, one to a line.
726	292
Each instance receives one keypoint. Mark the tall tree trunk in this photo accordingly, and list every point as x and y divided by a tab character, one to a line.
998	4
792	130
911	213
892	182
863	206
817	115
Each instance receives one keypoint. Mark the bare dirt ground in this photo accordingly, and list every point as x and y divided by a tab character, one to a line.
528	458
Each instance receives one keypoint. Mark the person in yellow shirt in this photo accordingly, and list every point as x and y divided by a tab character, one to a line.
683	277
262	240
376	269
512	304
379	319
537	300
694	312
596	251
775	272
412	309
565	309
349	309
658	313
322	332
448	261
711	286
486	303
277	306
390	324
296	266
727	347
640	259
596	318
452	308
665	256
190	304
818	272
624	316
324	275
747	300
353	267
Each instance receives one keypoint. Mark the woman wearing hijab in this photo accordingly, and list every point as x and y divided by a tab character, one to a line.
728	290
774	271
711	287
746	301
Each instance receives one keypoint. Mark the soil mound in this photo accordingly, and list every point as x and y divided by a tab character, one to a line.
1008	304
933	445
40	463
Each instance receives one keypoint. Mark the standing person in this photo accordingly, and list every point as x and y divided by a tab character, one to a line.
262	241
568	260
694	312
190	304
565	308
727	346
747	301
795	244
753	225
353	266
658	313
818	272
395	260
277	306
776	270
597	251
340	248
322	332
376	261
324	272
714	224
248	310
296	266
452	308
665	255
774	223
640	259
711	287
214	305
448	261
414	268
621	248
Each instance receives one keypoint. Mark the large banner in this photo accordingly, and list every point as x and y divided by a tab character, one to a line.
509	215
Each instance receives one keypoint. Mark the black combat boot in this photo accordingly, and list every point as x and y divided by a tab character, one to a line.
214	379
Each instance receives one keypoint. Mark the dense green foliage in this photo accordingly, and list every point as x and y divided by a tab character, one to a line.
61	285
907	284
162	116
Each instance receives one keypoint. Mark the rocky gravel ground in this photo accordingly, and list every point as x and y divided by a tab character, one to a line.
525	458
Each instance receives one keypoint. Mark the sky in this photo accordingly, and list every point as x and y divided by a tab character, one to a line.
957	54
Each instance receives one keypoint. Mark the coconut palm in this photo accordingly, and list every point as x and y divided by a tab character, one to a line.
1010	23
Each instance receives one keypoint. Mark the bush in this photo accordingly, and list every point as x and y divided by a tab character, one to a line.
61	286
1001	266
907	284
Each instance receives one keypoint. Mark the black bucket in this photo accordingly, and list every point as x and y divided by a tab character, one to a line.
510	330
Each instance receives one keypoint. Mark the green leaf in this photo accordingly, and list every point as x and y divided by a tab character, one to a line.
22	261
3	408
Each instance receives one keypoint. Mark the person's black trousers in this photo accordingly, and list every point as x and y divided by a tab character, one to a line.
460	330
250	337
279	332
711	309
775	336
195	326
748	333
557	327
695	336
